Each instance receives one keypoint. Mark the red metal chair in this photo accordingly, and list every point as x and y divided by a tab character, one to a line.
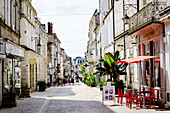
118	96
152	97
134	98
122	95
127	99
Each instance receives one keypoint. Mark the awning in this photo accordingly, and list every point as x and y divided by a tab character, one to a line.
137	59
157	60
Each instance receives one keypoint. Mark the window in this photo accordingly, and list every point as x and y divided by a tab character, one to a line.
157	47
16	18
144	2
11	14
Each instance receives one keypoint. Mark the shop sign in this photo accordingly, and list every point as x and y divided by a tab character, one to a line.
17	77
32	61
14	49
109	92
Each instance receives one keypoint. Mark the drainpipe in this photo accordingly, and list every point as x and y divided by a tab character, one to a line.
124	46
164	64
113	27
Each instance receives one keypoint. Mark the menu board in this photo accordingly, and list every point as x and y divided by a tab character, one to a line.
109	93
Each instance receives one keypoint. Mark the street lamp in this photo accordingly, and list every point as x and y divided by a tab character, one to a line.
126	19
126	8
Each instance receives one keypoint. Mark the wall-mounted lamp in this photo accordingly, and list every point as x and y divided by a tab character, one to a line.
126	19
126	8
39	48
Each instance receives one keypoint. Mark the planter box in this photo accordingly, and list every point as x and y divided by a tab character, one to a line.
118	86
9	100
25	92
41	88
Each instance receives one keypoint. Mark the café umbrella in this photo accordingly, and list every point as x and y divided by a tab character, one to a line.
137	59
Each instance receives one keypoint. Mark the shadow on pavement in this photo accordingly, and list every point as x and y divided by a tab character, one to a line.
34	105
63	92
76	106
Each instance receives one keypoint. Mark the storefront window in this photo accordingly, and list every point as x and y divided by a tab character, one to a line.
157	63
147	65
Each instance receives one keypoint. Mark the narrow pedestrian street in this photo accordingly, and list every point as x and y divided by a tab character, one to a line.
70	99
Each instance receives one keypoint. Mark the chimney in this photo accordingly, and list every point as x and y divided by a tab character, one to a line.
50	28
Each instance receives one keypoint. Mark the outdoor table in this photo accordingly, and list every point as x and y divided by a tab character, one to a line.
132	90
143	96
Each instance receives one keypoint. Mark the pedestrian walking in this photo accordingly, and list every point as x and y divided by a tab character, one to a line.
64	81
72	81
58	81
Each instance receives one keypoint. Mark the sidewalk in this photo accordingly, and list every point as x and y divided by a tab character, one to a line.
71	99
118	108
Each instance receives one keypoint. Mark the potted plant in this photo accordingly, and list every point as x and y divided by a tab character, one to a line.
26	91
9	99
42	85
48	84
110	67
9	96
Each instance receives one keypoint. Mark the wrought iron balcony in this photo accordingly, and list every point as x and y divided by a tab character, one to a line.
147	15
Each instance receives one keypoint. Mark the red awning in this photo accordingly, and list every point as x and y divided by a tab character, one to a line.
137	59
157	60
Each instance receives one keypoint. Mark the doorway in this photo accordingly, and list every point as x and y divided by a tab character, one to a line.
1	75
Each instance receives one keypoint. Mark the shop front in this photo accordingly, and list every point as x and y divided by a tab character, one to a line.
14	56
150	43
2	59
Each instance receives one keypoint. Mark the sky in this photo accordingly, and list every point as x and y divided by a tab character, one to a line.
70	20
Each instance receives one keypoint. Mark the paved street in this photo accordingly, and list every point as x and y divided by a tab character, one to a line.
70	99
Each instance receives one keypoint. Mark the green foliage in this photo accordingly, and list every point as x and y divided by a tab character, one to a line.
110	67
60	82
2	20
118	82
90	81
82	68
42	83
11	76
66	77
102	83
85	76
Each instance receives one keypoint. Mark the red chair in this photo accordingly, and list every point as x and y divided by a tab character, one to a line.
118	96
134	98
127	99
122	95
152	97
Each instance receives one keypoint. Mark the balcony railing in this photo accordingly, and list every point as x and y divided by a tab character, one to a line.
147	15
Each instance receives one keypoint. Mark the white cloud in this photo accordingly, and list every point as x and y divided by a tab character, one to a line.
72	30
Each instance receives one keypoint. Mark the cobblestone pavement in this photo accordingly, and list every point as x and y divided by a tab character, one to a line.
71	99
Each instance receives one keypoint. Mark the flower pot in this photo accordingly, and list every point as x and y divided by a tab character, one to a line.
9	100
41	88
26	92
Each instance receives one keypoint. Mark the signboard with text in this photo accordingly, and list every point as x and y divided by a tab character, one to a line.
109	92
